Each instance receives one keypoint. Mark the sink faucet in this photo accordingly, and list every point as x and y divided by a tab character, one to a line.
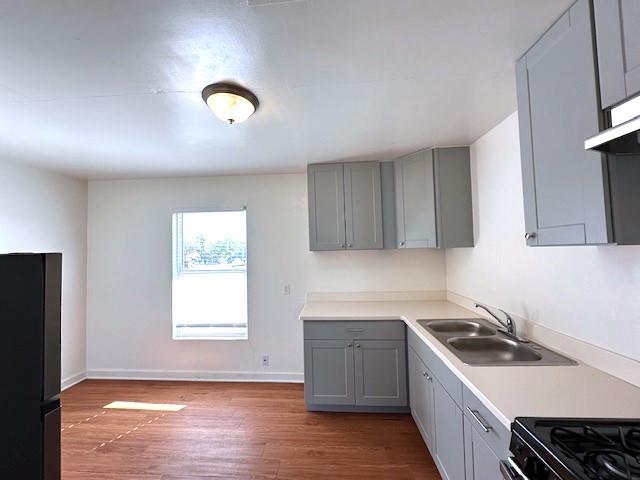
509	325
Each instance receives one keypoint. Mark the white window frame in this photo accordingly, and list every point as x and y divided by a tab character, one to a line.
177	246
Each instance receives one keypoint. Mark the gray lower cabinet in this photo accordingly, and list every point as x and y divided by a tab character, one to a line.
381	375
355	366
345	206
421	397
618	42
433	199
449	435
329	372
566	198
480	461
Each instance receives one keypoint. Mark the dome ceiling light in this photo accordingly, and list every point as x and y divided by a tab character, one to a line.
230	103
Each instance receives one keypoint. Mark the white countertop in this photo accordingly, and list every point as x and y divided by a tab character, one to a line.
508	391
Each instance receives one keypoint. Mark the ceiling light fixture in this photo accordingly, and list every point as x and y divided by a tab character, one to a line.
230	103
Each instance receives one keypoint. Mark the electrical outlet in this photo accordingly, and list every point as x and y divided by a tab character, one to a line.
265	360
286	290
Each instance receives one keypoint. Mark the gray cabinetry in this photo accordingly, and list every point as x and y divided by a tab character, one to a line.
415	201
381	376
363	206
329	372
480	461
345	206
618	42
326	206
449	435
421	397
486	440
565	187
355	366
433	199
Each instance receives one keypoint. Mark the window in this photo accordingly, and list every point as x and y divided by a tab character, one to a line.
209	290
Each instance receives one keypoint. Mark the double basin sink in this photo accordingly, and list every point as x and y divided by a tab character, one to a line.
478	342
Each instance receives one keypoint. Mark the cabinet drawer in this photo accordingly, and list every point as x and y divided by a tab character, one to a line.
359	329
480	417
446	377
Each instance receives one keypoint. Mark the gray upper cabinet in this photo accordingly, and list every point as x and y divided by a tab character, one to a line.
345	206
618	41
454	210
363	206
329	372
326	206
433	199
415	201
565	187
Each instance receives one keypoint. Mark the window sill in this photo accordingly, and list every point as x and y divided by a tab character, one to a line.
224	339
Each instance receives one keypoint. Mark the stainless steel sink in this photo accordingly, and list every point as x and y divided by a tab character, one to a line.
461	327
493	349
479	342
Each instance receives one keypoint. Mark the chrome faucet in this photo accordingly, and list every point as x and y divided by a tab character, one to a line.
509	325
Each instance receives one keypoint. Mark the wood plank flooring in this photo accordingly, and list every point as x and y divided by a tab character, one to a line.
230	431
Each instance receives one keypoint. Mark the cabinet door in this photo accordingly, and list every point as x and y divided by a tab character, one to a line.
363	205
480	461
326	206
421	397
328	372
381	372
618	41
415	201
454	209
565	197
449	435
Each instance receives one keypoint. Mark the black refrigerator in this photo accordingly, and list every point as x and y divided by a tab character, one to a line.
30	301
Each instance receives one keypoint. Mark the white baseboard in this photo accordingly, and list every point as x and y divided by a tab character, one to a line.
197	376
72	380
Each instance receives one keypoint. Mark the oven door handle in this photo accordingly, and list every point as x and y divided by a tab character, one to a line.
511	471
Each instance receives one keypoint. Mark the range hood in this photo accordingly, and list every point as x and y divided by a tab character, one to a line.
623	139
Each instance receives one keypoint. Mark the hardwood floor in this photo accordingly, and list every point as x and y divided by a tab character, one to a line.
230	431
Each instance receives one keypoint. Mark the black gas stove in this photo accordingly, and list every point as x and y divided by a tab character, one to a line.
574	449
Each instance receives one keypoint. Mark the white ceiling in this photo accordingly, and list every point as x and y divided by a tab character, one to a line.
111	88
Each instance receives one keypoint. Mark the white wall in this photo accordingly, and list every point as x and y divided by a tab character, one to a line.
591	293
46	212
129	276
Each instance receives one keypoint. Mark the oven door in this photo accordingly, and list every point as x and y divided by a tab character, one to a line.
511	471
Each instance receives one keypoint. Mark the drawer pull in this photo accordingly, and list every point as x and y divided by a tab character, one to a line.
355	330
478	418
427	376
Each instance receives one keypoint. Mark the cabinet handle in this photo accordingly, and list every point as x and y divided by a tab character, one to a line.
402	244
427	376
476	416
357	345
349	345
349	245
530	235
342	245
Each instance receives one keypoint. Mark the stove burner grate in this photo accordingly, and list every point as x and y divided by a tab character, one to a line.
609	453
